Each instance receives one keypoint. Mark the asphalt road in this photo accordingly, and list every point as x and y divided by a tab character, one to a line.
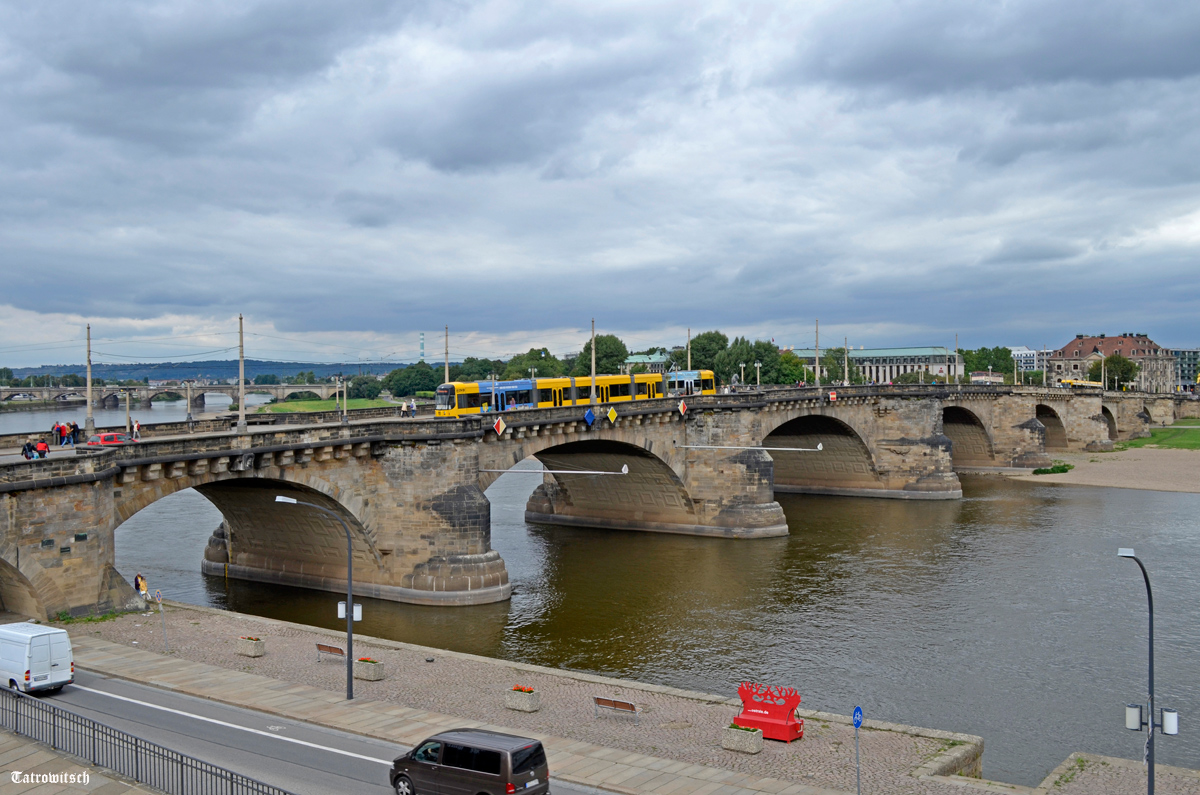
302	758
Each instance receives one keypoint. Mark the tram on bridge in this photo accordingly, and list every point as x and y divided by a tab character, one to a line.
460	398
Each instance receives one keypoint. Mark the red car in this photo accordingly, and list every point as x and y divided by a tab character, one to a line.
102	439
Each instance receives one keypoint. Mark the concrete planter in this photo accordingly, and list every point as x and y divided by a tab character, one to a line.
368	671
746	742
523	702
248	647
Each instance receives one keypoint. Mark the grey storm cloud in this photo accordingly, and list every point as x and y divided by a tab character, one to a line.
502	166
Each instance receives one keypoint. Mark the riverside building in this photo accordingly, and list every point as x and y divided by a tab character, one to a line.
1156	365
881	365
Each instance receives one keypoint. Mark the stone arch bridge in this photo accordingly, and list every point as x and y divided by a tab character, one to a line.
111	396
412	490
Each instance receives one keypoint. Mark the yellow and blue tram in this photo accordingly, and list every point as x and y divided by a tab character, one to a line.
460	398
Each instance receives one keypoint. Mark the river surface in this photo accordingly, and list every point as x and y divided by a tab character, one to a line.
41	420
1006	614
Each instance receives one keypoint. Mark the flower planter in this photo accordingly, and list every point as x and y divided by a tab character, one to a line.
746	742
523	702
251	647
368	671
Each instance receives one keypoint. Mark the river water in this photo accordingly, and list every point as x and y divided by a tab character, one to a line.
1006	614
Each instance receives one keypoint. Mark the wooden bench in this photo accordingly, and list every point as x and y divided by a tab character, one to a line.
616	705
325	648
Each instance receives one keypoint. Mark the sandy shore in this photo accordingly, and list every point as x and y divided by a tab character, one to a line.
1144	468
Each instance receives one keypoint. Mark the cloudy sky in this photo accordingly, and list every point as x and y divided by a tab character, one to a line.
350	174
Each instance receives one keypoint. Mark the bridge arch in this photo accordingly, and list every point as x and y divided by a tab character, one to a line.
844	465
17	594
1111	421
650	497
1056	432
971	444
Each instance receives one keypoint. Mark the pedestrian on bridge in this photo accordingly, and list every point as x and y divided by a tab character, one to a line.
412	408
67	435
29	451
56	433
43	449
137	430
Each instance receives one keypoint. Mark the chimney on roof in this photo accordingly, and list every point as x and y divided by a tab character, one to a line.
1078	336
1101	336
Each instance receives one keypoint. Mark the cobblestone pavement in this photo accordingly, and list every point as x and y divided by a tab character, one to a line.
675	725
1087	774
20	754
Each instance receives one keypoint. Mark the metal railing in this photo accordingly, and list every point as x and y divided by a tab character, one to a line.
124	754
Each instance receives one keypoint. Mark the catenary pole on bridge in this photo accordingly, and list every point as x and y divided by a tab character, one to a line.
89	424
817	355
689	349
241	425
593	361
846	362
447	379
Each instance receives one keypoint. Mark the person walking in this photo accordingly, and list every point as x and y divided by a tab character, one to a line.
137	430
43	449
67	436
412	408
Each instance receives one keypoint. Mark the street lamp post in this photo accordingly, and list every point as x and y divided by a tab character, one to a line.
349	589
758	374
1134	720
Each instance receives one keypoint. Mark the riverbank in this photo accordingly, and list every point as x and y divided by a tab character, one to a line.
1143	468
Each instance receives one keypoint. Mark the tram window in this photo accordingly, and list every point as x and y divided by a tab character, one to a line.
522	396
619	390
708	384
545	396
641	387
471	401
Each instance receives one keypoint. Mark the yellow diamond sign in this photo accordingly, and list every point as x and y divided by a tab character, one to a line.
612	414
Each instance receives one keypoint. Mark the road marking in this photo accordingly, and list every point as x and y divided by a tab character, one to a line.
387	762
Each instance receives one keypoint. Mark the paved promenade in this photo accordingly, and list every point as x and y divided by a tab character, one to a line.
677	740
21	755
674	751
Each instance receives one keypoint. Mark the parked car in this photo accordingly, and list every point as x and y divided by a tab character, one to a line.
104	439
35	657
472	762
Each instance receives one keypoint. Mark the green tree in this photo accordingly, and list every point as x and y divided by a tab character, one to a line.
547	365
792	369
364	386
1118	371
419	377
999	358
611	354
264	379
834	363
6	375
473	369
705	348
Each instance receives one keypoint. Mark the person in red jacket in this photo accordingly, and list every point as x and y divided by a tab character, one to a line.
42	448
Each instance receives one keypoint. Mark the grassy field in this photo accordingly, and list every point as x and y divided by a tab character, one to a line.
292	406
1175	437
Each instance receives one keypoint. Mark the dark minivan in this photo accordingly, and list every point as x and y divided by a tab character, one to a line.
472	762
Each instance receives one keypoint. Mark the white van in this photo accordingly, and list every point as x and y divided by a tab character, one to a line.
35	657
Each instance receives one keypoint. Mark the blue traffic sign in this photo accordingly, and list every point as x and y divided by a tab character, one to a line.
590	416
857	717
